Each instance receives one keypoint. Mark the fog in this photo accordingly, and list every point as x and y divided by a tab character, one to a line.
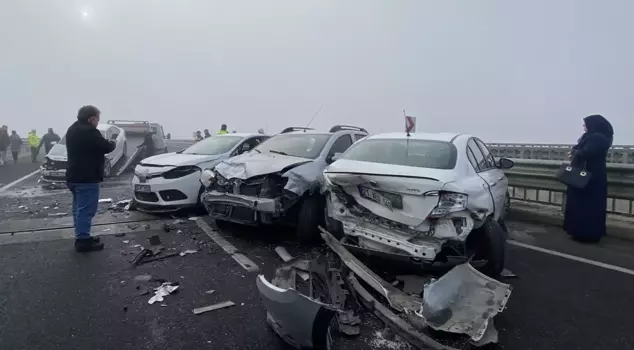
506	71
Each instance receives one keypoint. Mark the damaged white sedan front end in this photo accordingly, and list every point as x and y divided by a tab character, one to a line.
418	208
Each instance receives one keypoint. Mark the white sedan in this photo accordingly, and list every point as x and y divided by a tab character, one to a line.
169	182
54	168
434	198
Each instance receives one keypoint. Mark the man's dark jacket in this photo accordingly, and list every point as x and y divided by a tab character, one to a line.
48	139
86	150
5	140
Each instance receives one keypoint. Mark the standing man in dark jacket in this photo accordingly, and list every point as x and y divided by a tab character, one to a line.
5	141
86	150
48	139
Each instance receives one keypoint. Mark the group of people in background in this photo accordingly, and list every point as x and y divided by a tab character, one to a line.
13	143
198	136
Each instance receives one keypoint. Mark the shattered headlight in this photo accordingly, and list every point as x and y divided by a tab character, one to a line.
220	180
449	202
207	177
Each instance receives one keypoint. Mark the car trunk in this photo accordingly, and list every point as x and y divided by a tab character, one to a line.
397	193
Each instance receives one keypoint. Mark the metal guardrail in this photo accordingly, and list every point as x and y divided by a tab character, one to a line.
621	154
534	180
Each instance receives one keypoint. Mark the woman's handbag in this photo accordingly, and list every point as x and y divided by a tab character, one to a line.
573	176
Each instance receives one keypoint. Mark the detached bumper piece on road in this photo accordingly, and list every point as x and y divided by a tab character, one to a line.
459	306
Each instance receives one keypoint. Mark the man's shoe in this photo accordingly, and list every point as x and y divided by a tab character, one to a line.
87	245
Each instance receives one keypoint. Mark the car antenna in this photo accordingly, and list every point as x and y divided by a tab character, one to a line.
314	115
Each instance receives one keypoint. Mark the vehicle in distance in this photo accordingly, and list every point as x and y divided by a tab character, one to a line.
429	198
169	182
278	182
53	171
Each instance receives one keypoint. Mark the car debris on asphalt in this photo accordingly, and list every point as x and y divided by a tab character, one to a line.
165	289
221	305
459	305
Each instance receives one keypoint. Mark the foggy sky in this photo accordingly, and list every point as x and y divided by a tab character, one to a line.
521	71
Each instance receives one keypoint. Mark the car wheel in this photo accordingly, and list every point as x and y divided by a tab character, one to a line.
507	207
107	168
488	242
310	216
333	226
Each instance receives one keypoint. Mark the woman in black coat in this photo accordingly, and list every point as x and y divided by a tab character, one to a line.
585	214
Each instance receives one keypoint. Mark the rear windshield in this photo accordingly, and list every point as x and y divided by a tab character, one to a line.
297	144
416	153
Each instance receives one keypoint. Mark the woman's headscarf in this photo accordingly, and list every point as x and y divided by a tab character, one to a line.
598	124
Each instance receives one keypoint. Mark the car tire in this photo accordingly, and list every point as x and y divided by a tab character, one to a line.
335	227
488	242
107	169
309	218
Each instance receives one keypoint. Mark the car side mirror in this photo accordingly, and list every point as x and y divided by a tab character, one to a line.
331	159
505	163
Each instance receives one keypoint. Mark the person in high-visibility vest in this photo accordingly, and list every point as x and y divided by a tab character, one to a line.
223	130
34	144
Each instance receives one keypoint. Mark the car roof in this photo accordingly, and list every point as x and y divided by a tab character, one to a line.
440	136
308	132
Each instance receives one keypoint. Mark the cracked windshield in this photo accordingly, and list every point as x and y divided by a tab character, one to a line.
359	174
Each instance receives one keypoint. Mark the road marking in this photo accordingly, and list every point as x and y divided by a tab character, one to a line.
215	236
69	233
572	257
8	186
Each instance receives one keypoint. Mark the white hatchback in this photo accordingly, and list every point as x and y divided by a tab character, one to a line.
434	198
169	182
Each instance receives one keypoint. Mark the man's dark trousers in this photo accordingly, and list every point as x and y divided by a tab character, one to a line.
85	204
34	154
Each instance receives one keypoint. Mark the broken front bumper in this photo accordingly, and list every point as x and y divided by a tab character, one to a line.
240	208
302	322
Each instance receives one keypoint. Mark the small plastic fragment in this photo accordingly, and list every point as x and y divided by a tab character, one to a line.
221	305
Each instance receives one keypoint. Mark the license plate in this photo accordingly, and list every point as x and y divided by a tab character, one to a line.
375	196
55	173
142	188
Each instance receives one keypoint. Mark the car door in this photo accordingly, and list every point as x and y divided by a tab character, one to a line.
340	145
500	188
485	169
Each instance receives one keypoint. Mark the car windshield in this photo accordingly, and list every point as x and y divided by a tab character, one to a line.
298	145
416	153
213	145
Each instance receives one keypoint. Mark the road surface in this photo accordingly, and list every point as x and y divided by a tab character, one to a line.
567	295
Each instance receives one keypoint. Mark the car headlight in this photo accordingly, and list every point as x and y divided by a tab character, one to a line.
449	202
180	172
207	177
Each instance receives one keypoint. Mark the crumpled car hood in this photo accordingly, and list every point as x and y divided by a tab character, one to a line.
302	175
58	153
252	164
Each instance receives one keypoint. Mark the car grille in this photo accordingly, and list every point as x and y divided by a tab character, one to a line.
172	195
56	165
250	189
146	197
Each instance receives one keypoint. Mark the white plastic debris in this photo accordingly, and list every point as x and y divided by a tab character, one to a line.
189	251
211	291
203	309
193	218
126	241
105	200
165	289
57	214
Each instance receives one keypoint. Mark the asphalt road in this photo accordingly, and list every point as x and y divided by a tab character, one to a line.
52	298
